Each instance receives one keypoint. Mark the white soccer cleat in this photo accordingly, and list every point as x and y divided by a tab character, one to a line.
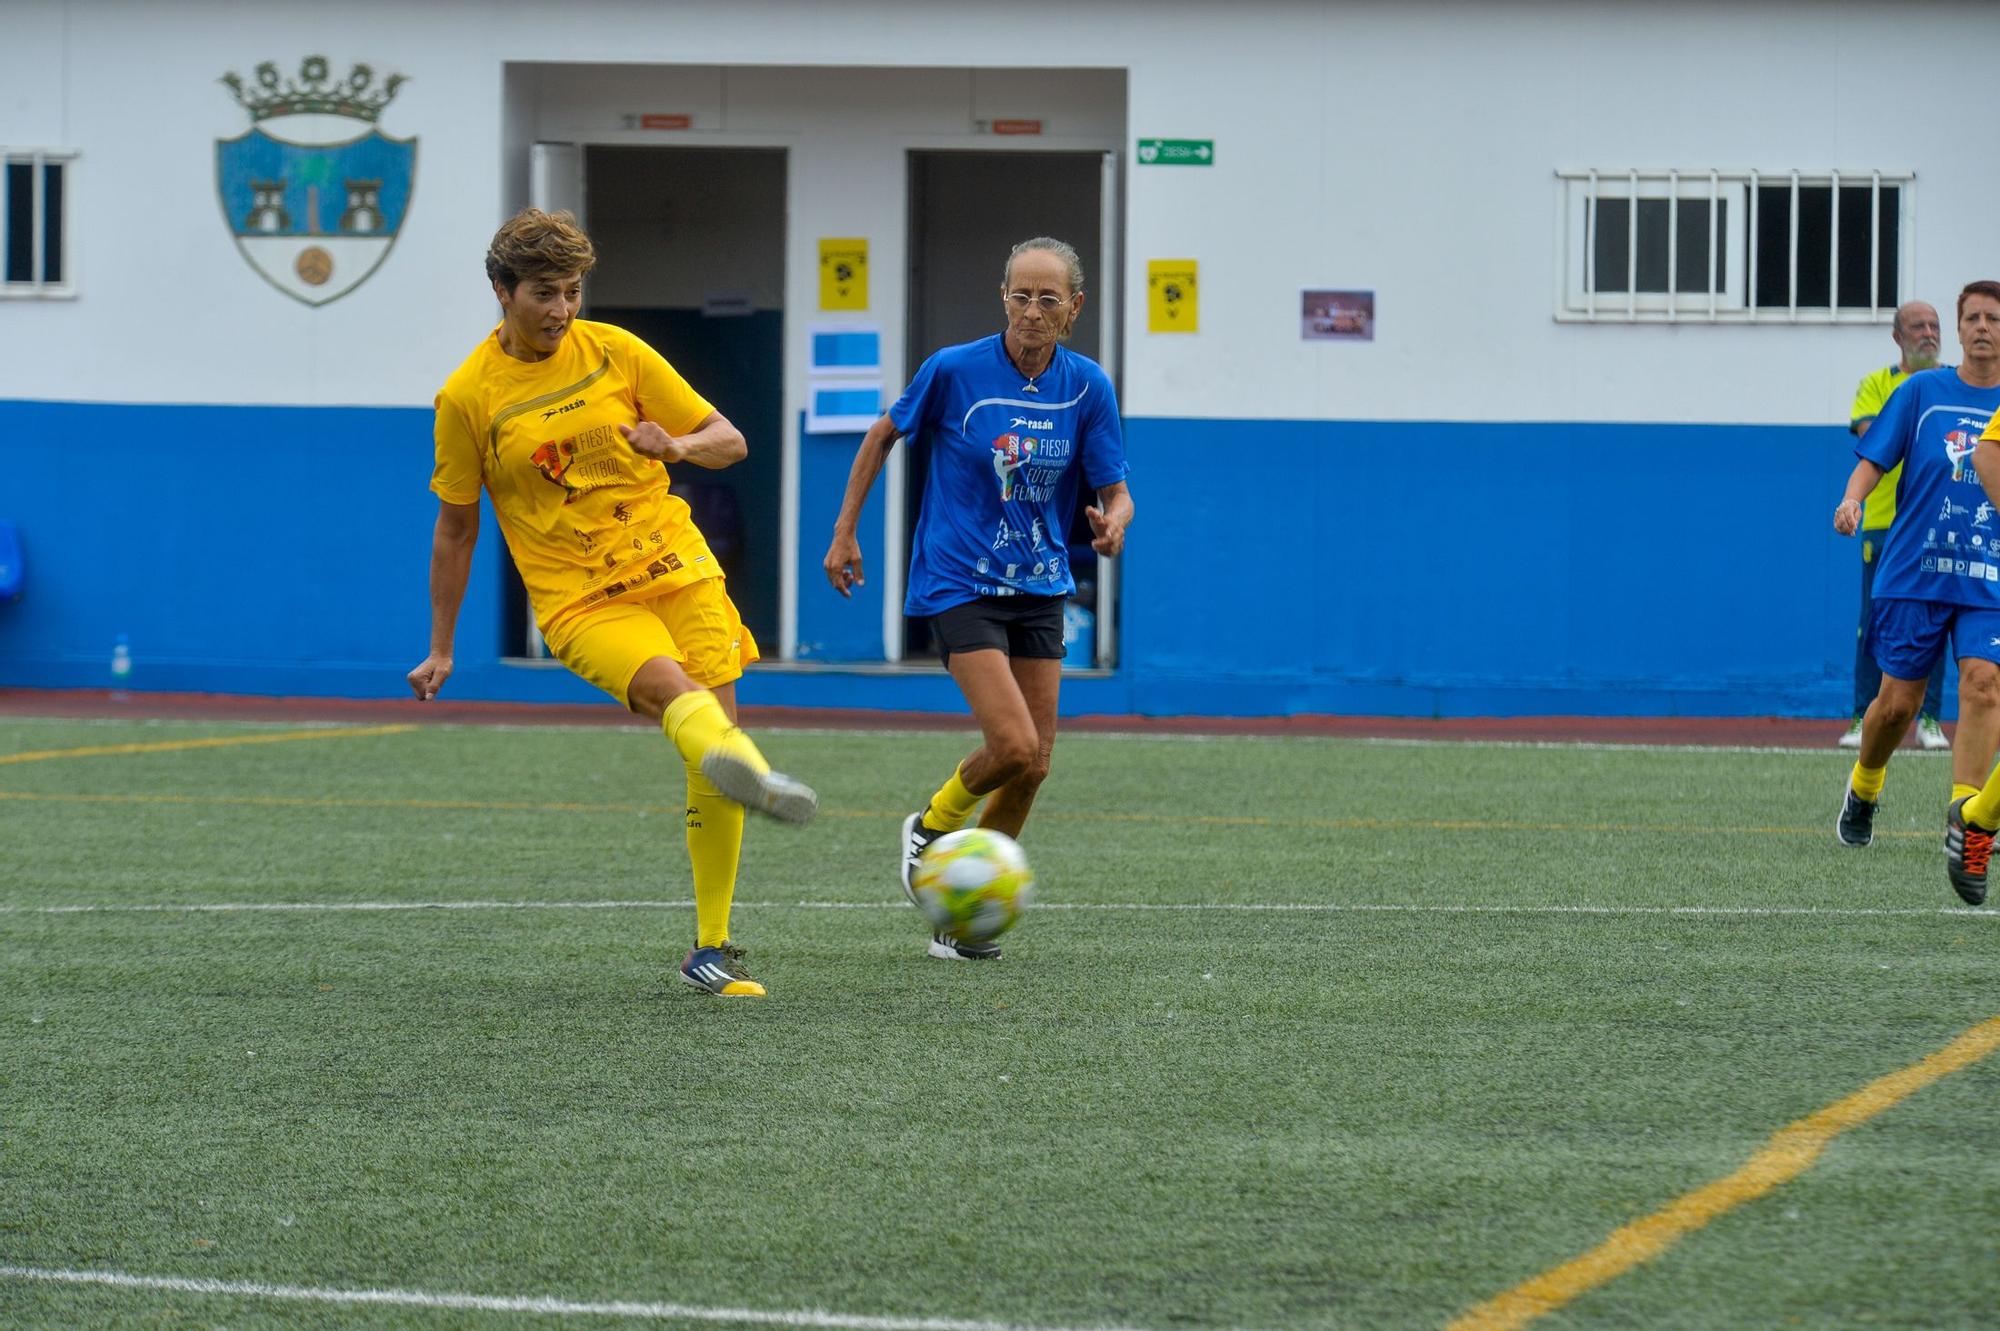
770	793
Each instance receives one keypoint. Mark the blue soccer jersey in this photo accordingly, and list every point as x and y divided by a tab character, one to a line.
1944	545
1007	455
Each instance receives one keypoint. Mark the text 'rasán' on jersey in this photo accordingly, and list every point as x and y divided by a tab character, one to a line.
1942	546
587	519
1007	453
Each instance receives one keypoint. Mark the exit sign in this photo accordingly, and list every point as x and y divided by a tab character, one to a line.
1176	152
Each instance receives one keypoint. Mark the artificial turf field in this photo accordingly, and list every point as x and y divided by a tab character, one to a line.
1301	1034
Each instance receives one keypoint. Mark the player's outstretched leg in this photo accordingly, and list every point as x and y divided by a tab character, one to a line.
702	731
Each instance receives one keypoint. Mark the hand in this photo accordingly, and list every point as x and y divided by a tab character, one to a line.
1107	535
649	440
843	565
429	677
1847	518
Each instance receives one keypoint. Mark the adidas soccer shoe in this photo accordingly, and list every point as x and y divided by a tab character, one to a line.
1857	820
719	970
915	837
953	949
1967	850
767	792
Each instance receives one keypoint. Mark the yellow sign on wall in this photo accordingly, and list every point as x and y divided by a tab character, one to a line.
843	273
1171	296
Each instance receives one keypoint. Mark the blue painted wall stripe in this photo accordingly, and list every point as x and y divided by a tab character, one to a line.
1274	567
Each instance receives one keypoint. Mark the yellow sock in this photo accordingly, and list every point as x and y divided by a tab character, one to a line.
1867	781
714	842
696	723
952	805
1961	791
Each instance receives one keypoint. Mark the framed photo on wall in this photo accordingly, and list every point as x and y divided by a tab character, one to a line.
1337	316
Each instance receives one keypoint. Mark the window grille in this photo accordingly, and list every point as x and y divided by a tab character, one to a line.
35	256
1713	246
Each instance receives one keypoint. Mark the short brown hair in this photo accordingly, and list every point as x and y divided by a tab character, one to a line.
533	243
1984	287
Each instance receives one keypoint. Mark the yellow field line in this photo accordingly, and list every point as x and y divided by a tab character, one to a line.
317	802
1791	1151
218	742
1218	820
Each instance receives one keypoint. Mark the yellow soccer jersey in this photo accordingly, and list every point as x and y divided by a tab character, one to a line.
587	519
1880	508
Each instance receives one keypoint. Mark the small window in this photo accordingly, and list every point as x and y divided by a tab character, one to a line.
1732	246
34	223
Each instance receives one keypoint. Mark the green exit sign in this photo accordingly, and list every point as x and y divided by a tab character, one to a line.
1176	152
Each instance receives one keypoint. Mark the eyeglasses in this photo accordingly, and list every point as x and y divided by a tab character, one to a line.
1020	300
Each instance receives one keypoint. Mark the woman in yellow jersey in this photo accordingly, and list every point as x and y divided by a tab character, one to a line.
565	424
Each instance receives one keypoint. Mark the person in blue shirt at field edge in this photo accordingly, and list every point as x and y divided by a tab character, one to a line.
1938	582
1015	422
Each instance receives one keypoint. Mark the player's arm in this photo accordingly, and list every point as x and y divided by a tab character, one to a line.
714	443
1109	518
1986	463
843	557
1847	517
452	541
1868	399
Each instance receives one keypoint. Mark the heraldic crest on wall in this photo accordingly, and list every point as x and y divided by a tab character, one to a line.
314	193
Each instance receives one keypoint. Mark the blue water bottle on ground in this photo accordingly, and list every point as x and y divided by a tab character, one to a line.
121	666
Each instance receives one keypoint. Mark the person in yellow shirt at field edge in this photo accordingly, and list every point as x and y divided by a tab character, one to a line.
1917	333
566	423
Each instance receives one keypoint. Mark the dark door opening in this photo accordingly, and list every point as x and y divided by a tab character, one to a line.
691	258
967	212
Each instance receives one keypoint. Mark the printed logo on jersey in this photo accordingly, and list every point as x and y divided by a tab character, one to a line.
1958	446
1010	451
552	461
581	463
1029	465
314	194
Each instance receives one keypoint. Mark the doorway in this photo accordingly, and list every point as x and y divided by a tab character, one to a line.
967	212
691	259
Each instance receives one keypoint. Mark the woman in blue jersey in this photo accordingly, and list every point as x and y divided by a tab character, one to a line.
1016	422
1937	584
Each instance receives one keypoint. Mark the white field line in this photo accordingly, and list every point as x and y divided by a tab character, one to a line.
416	1298
1243	907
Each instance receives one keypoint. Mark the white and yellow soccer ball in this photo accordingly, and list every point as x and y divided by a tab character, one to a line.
973	884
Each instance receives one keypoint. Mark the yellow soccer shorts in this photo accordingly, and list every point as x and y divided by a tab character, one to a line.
697	625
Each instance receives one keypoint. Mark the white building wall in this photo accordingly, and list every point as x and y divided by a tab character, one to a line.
1407	148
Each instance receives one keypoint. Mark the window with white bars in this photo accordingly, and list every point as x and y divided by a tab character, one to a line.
1711	246
35	257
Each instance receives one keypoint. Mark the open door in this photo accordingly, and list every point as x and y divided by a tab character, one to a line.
691	259
555	184
967	212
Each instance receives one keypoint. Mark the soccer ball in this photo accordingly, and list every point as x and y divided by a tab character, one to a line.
973	884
